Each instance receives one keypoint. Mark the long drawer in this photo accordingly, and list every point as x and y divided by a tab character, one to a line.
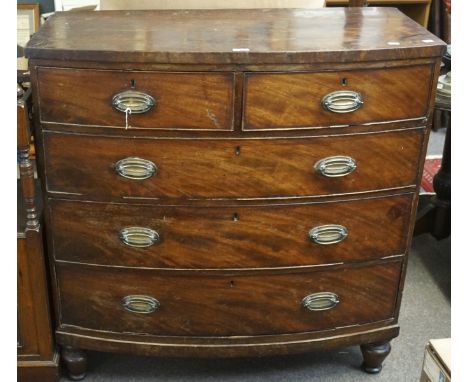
114	168
298	100
143	301
222	237
189	101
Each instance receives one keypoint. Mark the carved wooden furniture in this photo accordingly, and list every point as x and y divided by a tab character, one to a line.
37	358
228	182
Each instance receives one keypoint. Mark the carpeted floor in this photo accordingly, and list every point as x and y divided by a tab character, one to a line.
436	142
425	314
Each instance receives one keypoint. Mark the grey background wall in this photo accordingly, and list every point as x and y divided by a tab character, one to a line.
45	5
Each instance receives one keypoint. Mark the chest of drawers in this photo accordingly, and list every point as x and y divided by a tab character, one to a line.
230	183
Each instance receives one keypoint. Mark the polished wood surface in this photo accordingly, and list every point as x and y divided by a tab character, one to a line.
27	336
37	357
373	355
208	4
225	305
280	100
226	347
209	168
418	10
233	206
75	361
246	237
222	36
183	100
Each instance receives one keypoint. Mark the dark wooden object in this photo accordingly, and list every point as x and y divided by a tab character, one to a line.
440	20
37	357
250	236
75	361
221	37
242	304
435	216
87	167
236	238
374	354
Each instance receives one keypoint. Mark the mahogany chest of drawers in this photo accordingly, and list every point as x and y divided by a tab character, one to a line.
230	183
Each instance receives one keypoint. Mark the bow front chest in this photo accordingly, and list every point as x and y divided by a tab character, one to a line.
226	183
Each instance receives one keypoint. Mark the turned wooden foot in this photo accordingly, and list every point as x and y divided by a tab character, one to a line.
75	362
374	354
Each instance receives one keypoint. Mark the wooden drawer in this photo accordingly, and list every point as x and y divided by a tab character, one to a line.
294	100
237	237
182	100
223	305
229	168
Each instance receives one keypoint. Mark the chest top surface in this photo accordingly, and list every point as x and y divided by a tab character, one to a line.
234	36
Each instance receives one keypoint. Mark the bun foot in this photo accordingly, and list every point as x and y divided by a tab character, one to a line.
374	355
75	362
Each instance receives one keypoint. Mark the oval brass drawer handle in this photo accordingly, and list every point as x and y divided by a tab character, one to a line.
342	101
139	237
328	234
135	168
335	166
320	301
133	101
140	304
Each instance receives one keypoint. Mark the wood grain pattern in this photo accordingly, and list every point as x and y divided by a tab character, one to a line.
36	352
183	100
277	36
223	305
229	196
434	80
210	168
242	237
27	332
291	100
43	371
226	347
35	63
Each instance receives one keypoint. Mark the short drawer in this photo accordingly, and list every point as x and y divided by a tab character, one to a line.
143	301
108	168
158	100
301	100
234	237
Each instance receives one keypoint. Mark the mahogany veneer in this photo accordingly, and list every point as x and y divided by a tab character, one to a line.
87	166
183	100
268	97
231	183
235	237
225	305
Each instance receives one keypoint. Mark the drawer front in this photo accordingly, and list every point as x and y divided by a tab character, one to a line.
249	168
181	100
143	301
220	237
285	101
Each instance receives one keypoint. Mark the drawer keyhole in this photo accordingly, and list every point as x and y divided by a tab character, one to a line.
344	81
132	84
235	217
232	284
238	150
